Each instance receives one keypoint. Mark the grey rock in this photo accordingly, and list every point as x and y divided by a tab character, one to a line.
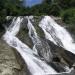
11	63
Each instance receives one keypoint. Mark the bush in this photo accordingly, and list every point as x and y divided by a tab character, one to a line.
2	20
68	16
55	9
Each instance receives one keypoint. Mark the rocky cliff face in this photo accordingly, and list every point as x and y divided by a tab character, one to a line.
11	63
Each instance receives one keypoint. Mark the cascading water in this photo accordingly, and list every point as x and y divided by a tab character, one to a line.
33	35
35	65
57	34
15	24
47	55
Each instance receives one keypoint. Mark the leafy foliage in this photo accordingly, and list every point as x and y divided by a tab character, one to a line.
9	7
55	9
68	17
47	7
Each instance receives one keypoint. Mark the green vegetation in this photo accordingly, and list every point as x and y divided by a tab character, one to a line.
68	17
47	7
63	8
9	7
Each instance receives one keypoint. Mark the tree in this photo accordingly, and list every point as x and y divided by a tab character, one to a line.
55	9
9	7
68	17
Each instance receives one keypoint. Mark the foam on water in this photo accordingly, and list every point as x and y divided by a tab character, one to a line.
57	34
35	65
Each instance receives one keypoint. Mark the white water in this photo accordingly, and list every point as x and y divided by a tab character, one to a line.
57	34
15	25
47	55
35	65
33	35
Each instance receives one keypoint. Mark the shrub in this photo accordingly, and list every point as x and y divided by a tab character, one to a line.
55	9
68	16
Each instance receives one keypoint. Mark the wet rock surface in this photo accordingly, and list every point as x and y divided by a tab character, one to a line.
23	34
61	57
62	53
11	63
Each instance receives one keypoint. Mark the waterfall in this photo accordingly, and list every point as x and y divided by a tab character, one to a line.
45	53
35	65
57	34
15	25
33	35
